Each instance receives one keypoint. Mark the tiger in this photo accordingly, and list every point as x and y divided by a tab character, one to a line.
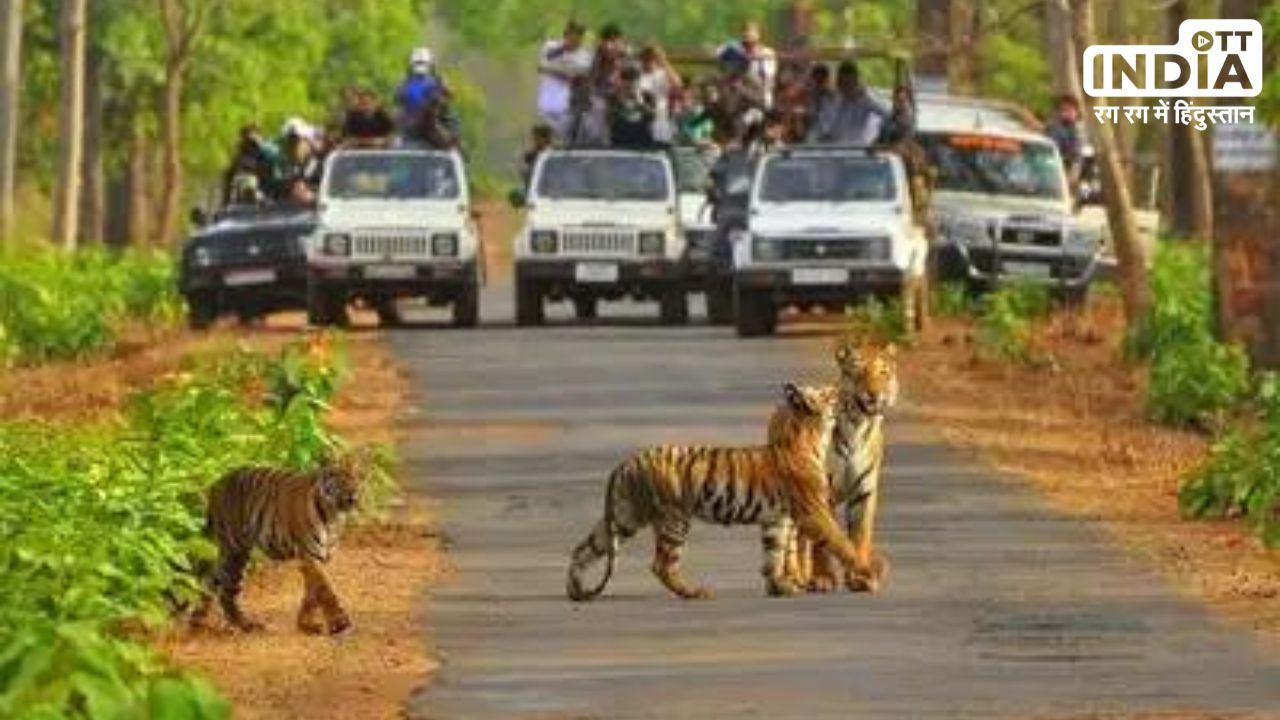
777	486
868	387
289	515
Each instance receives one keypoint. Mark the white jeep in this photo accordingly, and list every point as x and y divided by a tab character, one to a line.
827	227
394	224
600	225
1002	206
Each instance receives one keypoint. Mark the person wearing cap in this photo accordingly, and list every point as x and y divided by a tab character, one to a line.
559	63
849	116
300	166
762	61
419	88
739	96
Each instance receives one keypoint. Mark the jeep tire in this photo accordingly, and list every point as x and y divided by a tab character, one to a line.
325	307
202	310
719	295
466	307
673	305
754	313
586	307
529	310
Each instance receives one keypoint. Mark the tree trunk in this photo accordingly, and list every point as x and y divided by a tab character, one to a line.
137	229
1059	47
933	34
1191	183
93	204
1124	234
10	84
962	42
170	153
66	197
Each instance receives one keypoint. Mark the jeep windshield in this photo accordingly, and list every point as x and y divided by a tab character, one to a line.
392	176
603	177
994	165
827	178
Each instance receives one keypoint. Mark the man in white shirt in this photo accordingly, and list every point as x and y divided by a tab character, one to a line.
659	80
763	60
558	64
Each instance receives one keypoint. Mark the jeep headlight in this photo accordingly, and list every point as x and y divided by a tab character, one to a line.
1083	241
543	241
337	244
766	250
444	244
202	257
652	243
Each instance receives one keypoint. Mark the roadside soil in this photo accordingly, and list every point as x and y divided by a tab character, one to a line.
1073	427
379	570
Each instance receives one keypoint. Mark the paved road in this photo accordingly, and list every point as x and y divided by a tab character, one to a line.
997	606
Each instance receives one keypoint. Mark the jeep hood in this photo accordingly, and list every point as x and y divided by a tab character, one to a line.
365	214
601	213
983	206
828	219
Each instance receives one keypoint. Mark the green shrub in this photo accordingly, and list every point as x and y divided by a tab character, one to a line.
1194	380
55	305
1242	473
952	299
1005	319
101	527
881	321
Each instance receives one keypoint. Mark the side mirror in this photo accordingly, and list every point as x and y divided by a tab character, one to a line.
517	198
199	218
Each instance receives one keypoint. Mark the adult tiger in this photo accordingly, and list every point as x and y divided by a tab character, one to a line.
289	516
772	485
868	387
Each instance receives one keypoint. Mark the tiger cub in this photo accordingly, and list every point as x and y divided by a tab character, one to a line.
289	516
868	387
769	485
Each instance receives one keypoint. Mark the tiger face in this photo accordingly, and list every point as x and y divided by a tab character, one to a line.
339	486
806	411
868	376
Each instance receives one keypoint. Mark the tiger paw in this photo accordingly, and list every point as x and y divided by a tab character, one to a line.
862	583
246	625
822	584
781	587
339	624
698	593
310	626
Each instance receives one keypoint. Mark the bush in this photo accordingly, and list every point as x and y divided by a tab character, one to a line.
880	321
1242	473
55	305
1003	327
101	527
952	299
1194	380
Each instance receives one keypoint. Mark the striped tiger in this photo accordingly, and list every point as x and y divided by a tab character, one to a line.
868	387
288	515
775	486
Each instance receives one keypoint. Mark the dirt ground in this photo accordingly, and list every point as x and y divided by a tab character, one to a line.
1074	429
379	568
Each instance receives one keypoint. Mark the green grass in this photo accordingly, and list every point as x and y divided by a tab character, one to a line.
101	527
56	305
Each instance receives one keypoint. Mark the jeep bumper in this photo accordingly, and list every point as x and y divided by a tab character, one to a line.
985	266
823	286
435	279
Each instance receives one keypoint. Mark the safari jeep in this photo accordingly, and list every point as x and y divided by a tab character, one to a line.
827	227
1003	210
394	224
600	225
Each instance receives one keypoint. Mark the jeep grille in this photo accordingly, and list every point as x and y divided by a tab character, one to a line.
392	244
1030	236
836	248
598	242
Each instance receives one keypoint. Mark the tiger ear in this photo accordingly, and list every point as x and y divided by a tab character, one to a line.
797	398
846	354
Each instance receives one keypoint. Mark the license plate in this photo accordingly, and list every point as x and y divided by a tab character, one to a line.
819	276
595	272
390	272
236	278
1027	269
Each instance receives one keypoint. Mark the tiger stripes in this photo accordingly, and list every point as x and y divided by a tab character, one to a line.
778	486
868	387
287	515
